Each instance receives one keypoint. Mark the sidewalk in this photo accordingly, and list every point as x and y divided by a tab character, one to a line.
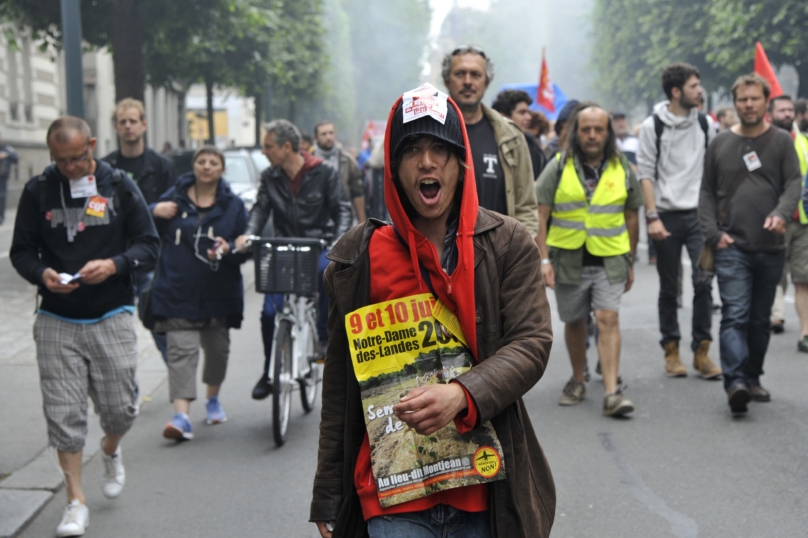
28	475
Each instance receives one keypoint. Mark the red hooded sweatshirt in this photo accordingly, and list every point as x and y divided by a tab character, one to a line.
395	273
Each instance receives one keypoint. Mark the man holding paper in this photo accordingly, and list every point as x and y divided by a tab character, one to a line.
404	449
82	220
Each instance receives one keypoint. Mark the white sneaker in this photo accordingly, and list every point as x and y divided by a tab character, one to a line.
75	520
114	473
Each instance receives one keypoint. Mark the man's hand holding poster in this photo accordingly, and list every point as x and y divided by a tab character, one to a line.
397	346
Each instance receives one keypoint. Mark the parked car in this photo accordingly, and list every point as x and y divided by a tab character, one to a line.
243	176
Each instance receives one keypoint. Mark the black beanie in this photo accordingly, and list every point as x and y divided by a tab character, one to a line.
449	132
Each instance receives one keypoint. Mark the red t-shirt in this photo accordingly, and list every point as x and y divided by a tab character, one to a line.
397	280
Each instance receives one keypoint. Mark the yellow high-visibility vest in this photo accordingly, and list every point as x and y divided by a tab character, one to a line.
600	222
801	145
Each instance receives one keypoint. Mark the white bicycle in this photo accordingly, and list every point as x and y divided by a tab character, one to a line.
289	266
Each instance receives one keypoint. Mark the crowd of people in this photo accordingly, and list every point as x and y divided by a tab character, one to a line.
488	207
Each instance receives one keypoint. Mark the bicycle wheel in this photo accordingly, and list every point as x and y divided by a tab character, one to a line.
308	384
282	382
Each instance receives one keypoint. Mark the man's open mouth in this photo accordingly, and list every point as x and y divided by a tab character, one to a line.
430	191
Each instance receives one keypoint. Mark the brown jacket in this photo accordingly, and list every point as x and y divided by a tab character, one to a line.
514	337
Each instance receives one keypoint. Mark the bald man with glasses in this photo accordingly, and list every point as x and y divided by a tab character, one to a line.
82	231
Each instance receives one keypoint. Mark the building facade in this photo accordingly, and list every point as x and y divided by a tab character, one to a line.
33	94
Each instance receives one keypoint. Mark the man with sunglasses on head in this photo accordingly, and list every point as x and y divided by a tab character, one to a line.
82	231
503	170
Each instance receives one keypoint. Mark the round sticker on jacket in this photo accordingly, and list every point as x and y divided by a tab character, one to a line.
49	215
80	227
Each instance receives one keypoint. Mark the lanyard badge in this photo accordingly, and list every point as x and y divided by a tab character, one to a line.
83	187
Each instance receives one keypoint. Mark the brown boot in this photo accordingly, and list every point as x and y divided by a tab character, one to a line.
673	363
702	363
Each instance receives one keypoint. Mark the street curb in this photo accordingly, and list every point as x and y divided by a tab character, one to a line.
26	491
18	508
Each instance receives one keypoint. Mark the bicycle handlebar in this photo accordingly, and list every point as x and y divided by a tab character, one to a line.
253	238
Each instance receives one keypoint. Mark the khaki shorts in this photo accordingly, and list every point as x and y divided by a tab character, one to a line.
594	293
797	252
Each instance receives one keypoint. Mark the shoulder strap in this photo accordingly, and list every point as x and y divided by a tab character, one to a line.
440	311
706	128
658	128
43	193
739	179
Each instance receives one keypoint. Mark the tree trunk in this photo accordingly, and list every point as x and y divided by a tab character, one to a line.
802	71
126	37
258	97
211	127
292	110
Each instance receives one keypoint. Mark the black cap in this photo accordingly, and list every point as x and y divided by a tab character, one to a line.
565	114
450	131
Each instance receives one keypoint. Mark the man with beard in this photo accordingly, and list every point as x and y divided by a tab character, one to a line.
750	190
592	195
502	167
781	112
350	176
670	163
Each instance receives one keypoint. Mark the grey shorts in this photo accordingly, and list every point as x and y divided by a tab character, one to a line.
183	358
80	360
797	252
594	293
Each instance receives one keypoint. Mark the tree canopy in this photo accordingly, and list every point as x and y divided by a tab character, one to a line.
636	39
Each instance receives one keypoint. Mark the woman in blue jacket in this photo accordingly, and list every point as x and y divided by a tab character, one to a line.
198	293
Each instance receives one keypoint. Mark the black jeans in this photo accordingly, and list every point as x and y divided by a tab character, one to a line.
684	229
747	282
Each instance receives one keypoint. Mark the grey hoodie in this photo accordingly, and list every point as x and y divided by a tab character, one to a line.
681	159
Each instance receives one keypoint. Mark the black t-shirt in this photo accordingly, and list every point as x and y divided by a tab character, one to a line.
592	178
488	172
132	166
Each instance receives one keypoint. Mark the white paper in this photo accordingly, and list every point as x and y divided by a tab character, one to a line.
752	162
67	278
83	187
425	100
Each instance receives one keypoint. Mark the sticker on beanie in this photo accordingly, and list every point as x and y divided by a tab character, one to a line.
425	100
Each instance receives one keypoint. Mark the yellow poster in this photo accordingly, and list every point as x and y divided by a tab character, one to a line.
397	346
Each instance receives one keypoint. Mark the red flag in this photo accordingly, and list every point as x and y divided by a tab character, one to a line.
545	96
764	69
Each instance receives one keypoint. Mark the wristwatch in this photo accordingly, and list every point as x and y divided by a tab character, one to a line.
651	216
545	261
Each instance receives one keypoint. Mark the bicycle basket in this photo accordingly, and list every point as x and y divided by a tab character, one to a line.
287	265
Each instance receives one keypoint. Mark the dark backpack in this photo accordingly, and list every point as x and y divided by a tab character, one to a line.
659	127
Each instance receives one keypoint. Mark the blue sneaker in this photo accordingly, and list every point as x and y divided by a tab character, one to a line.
215	412
179	428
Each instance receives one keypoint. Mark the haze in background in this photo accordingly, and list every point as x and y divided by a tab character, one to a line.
513	32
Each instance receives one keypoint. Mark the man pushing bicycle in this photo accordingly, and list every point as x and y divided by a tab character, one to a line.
306	199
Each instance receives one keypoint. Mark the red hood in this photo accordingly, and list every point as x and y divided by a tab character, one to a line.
457	290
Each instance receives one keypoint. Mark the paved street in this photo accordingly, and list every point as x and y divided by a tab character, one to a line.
681	466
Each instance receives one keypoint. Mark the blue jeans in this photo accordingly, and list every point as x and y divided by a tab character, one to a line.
747	282
440	521
142	283
274	302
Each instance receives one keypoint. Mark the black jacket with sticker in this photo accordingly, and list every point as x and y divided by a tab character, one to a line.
125	234
157	177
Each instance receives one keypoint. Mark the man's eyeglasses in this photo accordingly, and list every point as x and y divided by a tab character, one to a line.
64	163
462	49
